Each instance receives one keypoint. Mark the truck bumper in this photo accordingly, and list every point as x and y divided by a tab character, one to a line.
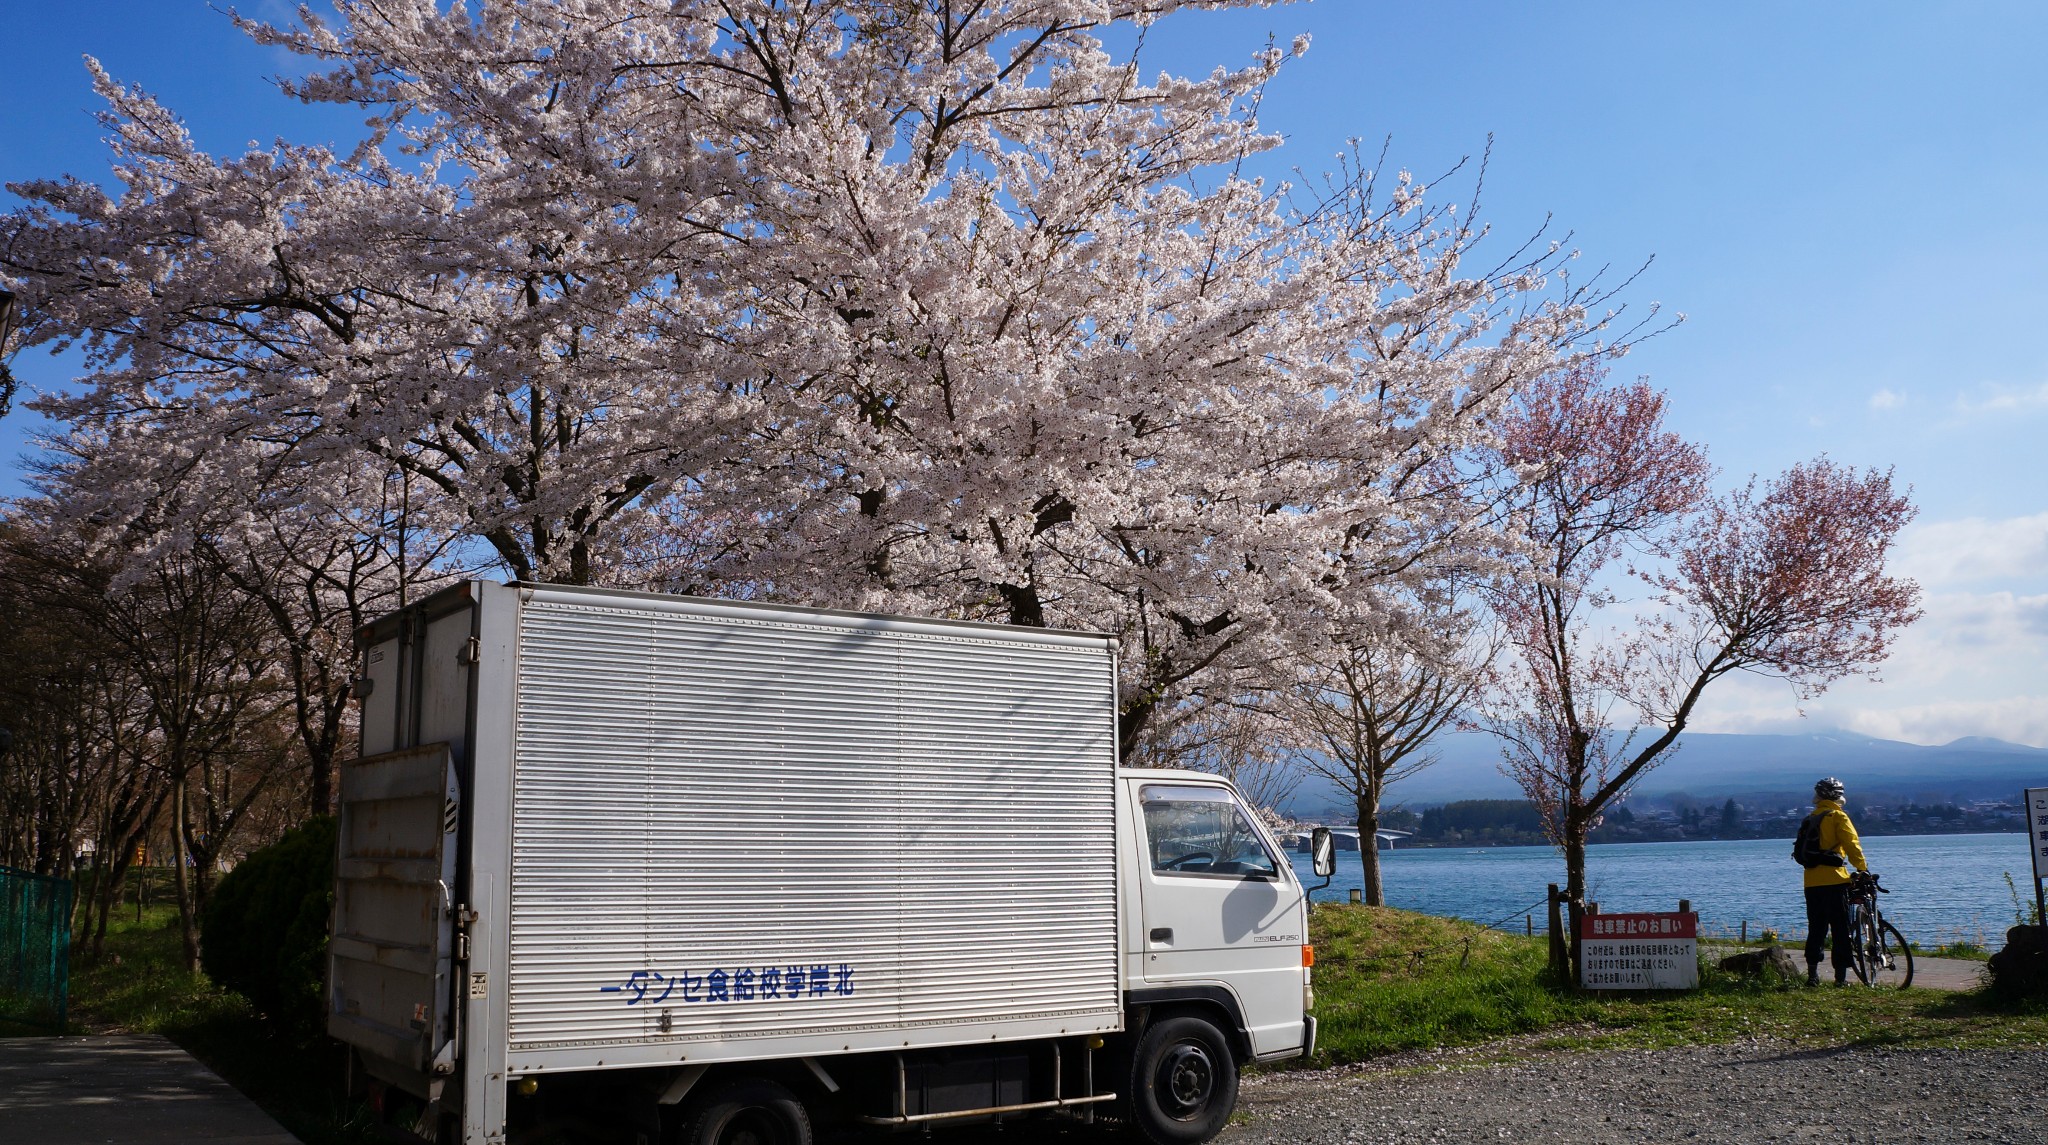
1307	1047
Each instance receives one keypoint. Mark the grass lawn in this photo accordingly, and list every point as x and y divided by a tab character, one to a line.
140	987
1375	997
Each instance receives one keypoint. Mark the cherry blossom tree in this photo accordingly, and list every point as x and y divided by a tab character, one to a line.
942	309
1788	582
320	564
1365	710
205	682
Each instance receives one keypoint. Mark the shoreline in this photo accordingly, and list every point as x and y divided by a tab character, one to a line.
1408	845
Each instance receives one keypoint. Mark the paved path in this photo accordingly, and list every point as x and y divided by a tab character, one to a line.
1947	973
1929	973
132	1090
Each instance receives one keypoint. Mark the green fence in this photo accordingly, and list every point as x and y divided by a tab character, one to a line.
35	947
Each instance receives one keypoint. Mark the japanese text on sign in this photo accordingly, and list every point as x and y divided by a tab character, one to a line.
745	984
1617	925
1639	951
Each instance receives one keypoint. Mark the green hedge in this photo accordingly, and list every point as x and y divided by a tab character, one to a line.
264	931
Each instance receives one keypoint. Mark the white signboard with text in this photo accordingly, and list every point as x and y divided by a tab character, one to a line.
1639	951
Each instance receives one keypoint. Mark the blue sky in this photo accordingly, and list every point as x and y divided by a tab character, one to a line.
1846	200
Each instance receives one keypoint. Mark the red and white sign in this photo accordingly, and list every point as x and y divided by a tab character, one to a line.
1639	951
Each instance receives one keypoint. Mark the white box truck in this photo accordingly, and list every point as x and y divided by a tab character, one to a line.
661	869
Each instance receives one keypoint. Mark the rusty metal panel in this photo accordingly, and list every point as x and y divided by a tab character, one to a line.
444	682
380	705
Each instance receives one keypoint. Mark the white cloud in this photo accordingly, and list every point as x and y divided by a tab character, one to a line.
1973	665
1976	663
1974	549
2015	719
1968	645
2002	399
1887	399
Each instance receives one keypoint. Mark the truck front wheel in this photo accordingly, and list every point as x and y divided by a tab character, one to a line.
749	1111
1183	1082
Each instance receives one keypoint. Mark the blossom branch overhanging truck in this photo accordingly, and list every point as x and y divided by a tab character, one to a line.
705	871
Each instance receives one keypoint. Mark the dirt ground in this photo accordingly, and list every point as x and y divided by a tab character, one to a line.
1748	1092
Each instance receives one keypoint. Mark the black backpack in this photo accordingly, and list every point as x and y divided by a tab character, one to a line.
1806	849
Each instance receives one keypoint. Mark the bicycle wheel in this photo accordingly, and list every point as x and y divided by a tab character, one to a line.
1861	940
1882	956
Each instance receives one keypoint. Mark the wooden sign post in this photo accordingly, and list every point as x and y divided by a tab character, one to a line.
2034	801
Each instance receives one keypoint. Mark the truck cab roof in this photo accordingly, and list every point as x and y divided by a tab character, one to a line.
1175	774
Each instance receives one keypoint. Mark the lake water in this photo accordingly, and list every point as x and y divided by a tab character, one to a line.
1943	886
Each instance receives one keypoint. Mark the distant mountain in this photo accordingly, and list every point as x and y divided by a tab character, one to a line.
1767	768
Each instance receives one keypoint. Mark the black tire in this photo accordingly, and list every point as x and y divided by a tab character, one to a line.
1183	1082
1881	956
748	1111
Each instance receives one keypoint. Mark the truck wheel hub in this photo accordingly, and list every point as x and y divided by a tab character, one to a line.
1189	1077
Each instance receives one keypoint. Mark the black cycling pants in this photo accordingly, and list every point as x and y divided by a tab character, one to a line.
1827	908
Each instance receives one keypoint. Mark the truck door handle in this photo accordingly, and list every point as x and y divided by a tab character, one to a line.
1162	934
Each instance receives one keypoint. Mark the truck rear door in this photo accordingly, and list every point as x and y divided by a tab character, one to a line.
392	961
392	954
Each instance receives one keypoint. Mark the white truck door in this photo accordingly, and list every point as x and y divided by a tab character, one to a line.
1220	907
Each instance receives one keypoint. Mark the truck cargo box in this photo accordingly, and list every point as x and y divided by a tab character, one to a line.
599	829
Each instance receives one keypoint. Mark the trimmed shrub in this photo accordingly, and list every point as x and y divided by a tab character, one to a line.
264	931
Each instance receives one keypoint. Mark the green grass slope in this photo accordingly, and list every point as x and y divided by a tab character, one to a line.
1390	980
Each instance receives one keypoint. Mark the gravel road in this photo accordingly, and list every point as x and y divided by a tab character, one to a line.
1749	1092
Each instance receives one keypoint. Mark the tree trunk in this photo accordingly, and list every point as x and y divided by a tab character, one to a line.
321	753
323	785
188	922
107	893
1575	884
1369	849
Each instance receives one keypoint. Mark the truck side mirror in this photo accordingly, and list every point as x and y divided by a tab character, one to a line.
1322	851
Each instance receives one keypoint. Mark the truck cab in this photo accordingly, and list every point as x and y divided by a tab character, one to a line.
1213	908
1215	942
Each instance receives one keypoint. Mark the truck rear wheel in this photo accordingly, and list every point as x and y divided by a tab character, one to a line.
1183	1082
749	1111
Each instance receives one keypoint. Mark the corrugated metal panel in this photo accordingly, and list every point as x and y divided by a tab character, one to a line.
922	820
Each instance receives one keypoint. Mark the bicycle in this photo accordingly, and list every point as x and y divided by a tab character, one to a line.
1877	951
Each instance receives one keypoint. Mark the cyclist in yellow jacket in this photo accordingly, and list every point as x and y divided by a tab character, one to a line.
1827	847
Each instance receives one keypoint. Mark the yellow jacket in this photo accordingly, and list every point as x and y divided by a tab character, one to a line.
1837	834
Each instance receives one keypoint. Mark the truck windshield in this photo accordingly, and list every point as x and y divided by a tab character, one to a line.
1202	831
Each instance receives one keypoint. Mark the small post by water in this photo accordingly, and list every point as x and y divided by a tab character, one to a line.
1557	947
1745	932
1357	896
1529	924
1685	906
